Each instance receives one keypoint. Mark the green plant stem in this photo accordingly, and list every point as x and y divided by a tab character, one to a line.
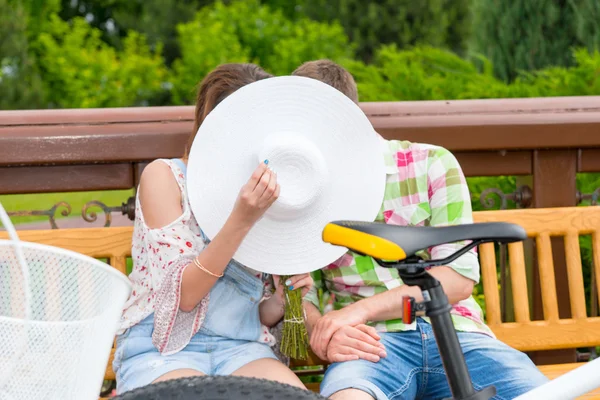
294	340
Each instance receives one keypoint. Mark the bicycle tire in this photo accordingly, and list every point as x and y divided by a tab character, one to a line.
218	388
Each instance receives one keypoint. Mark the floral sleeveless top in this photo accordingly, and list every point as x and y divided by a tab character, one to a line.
159	259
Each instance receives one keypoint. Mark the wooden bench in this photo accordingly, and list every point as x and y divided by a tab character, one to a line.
553	332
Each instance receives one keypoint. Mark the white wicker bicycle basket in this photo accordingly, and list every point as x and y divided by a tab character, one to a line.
59	312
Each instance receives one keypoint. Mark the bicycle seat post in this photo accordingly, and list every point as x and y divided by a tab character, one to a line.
437	308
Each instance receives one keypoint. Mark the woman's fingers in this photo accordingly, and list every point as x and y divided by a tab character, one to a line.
257	175
269	192
261	186
298	281
275	195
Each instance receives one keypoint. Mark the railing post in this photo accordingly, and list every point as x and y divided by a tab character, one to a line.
554	185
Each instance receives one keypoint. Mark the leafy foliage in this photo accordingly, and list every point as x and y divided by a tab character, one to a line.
405	23
90	58
527	35
433	74
247	31
80	70
20	81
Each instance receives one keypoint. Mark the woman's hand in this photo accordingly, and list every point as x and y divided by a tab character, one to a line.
256	196
294	282
272	310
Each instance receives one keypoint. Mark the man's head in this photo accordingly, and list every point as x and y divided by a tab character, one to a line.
330	73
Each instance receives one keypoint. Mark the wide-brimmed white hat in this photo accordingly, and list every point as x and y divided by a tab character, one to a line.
328	159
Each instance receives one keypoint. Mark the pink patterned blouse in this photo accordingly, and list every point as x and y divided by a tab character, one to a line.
159	258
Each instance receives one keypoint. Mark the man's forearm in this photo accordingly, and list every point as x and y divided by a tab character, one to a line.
388	305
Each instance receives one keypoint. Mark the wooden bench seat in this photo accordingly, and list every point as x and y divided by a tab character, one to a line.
556	370
553	332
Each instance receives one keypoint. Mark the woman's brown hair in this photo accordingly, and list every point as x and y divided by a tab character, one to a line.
217	85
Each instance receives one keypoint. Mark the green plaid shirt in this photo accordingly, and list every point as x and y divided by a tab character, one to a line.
425	187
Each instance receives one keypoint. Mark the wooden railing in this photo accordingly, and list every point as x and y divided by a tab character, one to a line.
95	149
545	142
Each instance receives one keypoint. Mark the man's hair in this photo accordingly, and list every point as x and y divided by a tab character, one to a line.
330	73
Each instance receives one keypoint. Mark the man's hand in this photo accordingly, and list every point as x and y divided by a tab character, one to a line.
354	342
328	324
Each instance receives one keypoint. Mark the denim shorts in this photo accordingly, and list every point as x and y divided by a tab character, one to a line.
227	339
138	363
413	368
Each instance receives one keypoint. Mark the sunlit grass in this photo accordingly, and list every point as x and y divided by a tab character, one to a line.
45	201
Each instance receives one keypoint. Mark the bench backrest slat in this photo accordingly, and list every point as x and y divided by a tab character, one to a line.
110	243
553	332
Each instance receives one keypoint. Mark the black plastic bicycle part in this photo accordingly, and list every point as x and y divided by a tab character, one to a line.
415	263
218	388
412	239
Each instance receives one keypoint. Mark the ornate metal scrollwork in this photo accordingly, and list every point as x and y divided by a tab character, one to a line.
50	213
594	197
127	208
523	197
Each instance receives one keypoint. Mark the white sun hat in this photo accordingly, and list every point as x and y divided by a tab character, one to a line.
328	159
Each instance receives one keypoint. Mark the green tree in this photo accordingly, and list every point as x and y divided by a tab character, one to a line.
20	81
422	73
527	35
37	15
80	70
246	31
432	74
443	23
406	23
580	79
158	20
155	19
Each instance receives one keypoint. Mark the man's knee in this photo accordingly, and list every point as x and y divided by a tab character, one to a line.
513	372
351	394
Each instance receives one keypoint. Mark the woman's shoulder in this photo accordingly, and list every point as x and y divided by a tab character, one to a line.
160	193
163	167
158	178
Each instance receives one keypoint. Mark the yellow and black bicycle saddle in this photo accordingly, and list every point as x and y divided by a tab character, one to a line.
396	243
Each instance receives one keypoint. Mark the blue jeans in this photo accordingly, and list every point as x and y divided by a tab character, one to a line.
413	368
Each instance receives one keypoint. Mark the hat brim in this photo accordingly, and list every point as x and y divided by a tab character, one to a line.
348	183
